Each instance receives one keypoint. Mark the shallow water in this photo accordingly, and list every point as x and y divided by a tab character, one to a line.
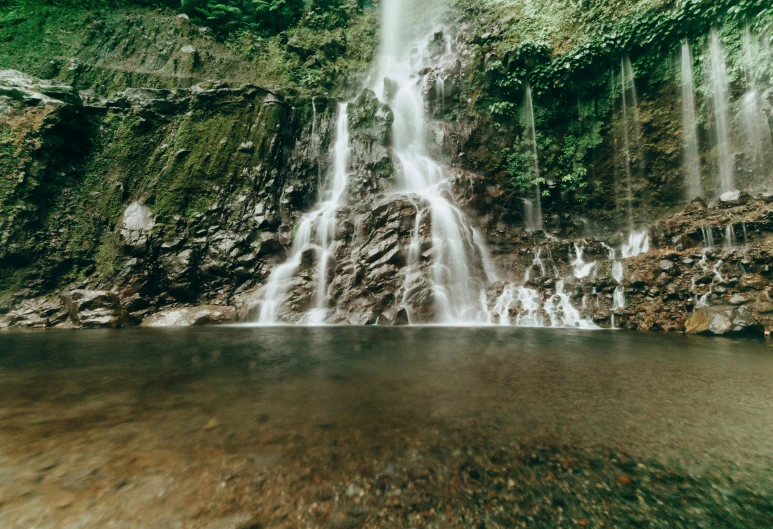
297	427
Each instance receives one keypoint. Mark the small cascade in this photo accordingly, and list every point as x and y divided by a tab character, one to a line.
618	299
581	268
528	117
701	300
562	313
730	241
692	168
717	272
754	110
707	236
721	108
618	269
523	306
316	232
638	243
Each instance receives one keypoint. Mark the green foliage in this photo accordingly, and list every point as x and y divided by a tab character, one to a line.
225	16
566	51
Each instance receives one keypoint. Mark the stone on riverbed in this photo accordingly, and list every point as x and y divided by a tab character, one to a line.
192	316
723	320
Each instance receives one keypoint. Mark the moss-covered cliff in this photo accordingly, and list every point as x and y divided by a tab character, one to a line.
170	151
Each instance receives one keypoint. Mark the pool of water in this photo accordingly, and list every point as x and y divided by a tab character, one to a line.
373	427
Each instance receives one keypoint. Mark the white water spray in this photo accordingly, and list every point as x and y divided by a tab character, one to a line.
692	167
535	222
460	266
721	100
316	231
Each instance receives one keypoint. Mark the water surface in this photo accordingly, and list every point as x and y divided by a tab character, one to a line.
374	427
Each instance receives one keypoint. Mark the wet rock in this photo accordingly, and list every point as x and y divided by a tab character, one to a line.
370	128
737	299
763	308
722	320
666	265
192	316
94	308
394	316
734	198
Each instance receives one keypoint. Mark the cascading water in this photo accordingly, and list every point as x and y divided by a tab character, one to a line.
631	130
721	103
754	110
638	243
460	267
581	268
315	231
730	241
692	167
707	235
534	220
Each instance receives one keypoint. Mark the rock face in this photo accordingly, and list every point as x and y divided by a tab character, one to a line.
177	204
723	320
94	308
154	192
371	163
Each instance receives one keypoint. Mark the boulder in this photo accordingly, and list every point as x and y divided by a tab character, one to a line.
192	316
136	226
737	299
394	316
94	308
722	320
734	198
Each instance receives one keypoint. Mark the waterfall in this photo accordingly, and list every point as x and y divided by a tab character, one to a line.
707	235
316	232
535	223
721	101
754	110
730	240
692	168
580	267
631	129
460	267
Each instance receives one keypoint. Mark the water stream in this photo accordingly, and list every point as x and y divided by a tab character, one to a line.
692	168
461	268
721	108
316	232
534	219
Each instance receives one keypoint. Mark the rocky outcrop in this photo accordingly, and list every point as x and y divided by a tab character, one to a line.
92	309
154	192
371	162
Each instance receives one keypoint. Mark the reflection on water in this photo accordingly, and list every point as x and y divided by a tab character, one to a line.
318	426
